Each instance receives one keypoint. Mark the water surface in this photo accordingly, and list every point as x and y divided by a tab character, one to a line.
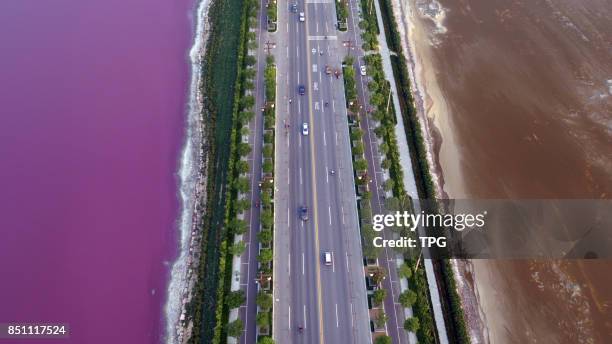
92	99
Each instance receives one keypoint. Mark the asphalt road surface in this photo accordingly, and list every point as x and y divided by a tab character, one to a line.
327	301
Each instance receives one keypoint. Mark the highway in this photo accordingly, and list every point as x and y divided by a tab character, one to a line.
328	302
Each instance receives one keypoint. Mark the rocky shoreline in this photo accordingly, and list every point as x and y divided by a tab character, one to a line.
194	175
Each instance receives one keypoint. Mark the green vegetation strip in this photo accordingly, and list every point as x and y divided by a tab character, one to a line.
272	12
369	25
418	150
222	69
384	113
265	236
342	12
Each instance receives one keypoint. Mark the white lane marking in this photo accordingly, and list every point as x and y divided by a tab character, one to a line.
288	177
322	38
324	140
352	318
299	106
336	138
326	27
329	212
303	265
289	265
290	317
300	142
326	175
342	211
317	28
336	315
287	26
304	316
288	217
287	74
347	261
333	263
287	51
333	105
298	77
300	176
288	140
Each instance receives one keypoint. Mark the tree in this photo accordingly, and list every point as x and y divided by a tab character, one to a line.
383	148
407	298
244	149
360	164
247	102
265	256
242	184
386	163
263	319
264	300
265	340
235	299
268	151
381	319
238	248
379	296
268	167
265	236
234	329
238	226
242	205
245	116
384	339
358	149
404	271
412	324
242	166
388	185
266	219
250	60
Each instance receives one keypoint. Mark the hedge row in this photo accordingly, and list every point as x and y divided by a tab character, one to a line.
369	25
265	236
234	206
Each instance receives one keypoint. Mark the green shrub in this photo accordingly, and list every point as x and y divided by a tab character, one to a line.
264	300
235	299
379	296
412	324
407	298
234	329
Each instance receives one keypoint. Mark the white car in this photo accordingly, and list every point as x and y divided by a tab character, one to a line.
362	69
302	18
327	258
305	129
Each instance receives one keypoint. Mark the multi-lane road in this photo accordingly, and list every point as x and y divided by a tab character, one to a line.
314	302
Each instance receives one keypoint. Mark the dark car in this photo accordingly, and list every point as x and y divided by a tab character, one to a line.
301	90
294	8
304	213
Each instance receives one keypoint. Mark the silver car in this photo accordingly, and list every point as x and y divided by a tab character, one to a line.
305	129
